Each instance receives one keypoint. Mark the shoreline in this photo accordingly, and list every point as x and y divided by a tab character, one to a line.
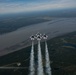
21	37
29	45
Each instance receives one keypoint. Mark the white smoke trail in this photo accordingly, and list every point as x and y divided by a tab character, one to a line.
47	60
32	70
40	66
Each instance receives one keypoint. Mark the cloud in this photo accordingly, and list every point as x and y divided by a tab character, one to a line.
14	7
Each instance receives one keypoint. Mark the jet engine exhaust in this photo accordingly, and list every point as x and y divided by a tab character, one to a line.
40	66
32	70
47	60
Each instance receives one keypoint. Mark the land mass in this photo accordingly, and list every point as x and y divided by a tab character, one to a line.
12	24
62	52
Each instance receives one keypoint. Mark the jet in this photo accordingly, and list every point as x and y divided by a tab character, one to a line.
32	37
45	36
38	34
39	37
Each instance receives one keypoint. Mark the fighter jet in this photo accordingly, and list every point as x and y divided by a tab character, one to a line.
38	34
32	37
39	37
45	36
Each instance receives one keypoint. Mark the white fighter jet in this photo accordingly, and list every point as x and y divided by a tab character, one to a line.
38	37
38	34
32	37
45	36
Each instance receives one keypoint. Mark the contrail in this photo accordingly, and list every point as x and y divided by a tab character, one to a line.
47	60
32	70
40	66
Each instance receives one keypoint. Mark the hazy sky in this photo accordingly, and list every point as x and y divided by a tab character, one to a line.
14	6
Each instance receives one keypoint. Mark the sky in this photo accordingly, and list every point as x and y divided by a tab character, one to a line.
16	6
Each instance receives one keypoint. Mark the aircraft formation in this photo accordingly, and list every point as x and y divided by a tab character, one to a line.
39	36
40	68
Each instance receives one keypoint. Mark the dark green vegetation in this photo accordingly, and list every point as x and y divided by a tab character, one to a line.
62	52
14	23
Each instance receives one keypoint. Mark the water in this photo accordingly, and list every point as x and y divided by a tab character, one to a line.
40	66
47	60
32	70
54	28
